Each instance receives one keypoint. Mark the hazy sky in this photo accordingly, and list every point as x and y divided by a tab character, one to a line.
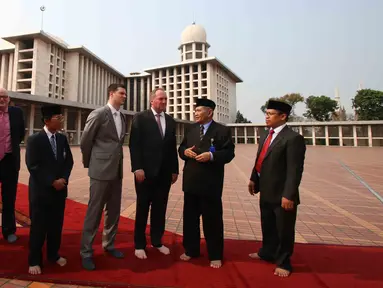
275	46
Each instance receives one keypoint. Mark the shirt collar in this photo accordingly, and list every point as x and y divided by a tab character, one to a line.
207	124
279	128
155	113
4	111
114	110
49	134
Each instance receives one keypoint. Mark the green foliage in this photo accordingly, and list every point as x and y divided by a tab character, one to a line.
320	108
240	119
368	104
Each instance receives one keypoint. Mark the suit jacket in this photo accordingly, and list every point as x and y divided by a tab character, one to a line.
101	147
206	178
17	125
148	151
44	168
282	167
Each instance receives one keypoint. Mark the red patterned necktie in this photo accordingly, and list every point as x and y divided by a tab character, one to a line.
262	155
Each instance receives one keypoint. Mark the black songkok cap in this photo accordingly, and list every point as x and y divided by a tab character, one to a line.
48	111
205	102
280	106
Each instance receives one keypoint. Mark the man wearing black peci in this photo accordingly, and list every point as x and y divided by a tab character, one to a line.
277	175
50	162
206	148
154	160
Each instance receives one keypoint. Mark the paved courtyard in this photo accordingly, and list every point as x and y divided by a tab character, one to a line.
336	207
337	196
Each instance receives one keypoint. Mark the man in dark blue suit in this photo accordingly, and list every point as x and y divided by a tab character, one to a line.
12	130
50	162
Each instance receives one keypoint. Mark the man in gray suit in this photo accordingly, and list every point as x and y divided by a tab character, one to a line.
102	153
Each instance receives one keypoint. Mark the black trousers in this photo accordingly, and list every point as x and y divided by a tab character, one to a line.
278	232
210	207
9	177
152	193
47	218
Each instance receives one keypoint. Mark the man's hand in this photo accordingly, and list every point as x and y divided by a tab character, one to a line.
174	178
140	175
59	184
251	188
203	157
287	204
190	153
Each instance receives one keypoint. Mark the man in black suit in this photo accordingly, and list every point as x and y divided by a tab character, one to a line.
50	162
277	175
154	160
12	131
206	148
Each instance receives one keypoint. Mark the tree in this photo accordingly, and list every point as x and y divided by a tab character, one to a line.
368	104
240	119
320	108
292	99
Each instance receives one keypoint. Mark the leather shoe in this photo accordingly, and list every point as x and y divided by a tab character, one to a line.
88	263
115	253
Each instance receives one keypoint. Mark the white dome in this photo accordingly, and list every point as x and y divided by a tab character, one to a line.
193	33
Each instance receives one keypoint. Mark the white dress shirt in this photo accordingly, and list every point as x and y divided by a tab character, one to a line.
277	131
162	119
49	134
117	119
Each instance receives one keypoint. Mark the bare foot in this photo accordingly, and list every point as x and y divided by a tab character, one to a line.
140	254
281	272
164	250
254	256
185	257
34	270
62	261
216	264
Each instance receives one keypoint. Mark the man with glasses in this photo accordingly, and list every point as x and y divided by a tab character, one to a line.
50	162
12	130
277	174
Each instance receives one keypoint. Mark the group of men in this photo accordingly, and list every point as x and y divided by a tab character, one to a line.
206	148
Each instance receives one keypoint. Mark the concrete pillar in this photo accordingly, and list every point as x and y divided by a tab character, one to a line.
31	121
78	127
326	135
369	136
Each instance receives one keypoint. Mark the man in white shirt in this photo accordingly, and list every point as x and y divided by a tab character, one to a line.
102	153
154	160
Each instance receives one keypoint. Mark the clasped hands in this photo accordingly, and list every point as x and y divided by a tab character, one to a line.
286	203
59	184
203	157
140	176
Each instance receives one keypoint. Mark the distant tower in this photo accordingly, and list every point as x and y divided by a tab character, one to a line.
360	87
193	43
337	98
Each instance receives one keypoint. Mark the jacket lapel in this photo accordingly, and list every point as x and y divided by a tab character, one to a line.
123	127
47	143
277	139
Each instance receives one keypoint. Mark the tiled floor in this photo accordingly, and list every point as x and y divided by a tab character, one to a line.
337	208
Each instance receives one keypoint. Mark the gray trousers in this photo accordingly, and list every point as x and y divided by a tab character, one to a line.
103	194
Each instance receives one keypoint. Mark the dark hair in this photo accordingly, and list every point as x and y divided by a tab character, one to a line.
46	118
114	87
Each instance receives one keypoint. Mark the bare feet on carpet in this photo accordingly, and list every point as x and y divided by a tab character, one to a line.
216	264
62	261
164	250
254	256
140	254
281	272
34	270
185	257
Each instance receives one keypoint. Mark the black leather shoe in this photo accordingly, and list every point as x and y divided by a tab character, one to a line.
88	263
115	253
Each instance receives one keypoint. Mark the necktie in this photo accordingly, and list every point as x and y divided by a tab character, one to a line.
262	155
53	144
201	132
159	125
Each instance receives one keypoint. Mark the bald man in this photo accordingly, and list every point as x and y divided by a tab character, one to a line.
12	130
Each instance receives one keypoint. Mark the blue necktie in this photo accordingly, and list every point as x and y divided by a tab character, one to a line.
53	144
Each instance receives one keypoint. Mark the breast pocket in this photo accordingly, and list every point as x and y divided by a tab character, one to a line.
103	156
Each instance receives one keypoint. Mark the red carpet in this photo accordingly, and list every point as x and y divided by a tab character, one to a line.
315	265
